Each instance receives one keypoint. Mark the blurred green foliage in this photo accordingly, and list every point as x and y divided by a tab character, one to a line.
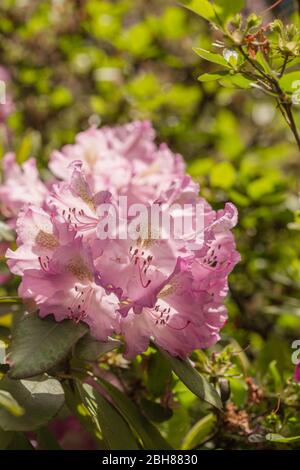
77	63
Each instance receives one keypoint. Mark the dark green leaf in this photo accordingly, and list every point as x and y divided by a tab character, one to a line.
115	430
40	400
156	412
194	381
89	349
148	433
19	441
8	402
75	405
159	374
39	344
5	439
46	440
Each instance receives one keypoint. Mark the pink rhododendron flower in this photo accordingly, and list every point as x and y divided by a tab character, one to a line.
22	185
82	255
62	278
76	203
124	160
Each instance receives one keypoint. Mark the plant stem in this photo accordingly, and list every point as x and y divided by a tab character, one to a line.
284	66
284	106
288	111
293	124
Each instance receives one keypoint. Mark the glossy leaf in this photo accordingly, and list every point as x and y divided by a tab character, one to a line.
89	349
8	402
39	344
40	399
211	57
156	412
201	431
159	374
116	431
148	433
203	8
198	384
14	441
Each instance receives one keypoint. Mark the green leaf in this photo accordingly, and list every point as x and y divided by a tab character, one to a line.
14	441
40	399
46	440
5	439
239	391
180	422
285	440
223	175
61	97
225	9
159	375
236	81
39	344
275	375
148	433
203	8
200	432
293	62
211	57
156	412
260	187
8	402
19	441
75	405
290	82
89	349
195	382
115	430
213	76
261	61
24	149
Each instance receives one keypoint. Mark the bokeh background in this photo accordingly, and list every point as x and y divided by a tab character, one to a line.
71	64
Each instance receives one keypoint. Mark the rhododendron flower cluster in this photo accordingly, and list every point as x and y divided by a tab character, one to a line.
22	185
168	290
